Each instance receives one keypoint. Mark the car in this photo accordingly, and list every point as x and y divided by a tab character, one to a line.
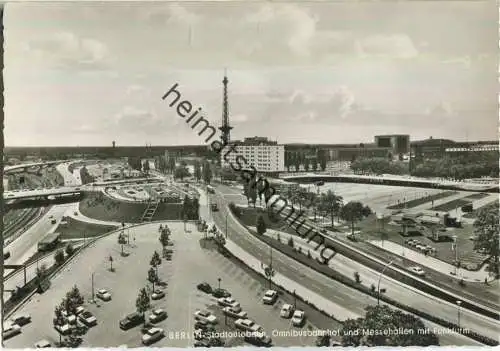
103	294
205	287
286	311
42	344
6	255
270	297
259	340
21	319
132	320
247	324
202	343
10	330
152	335
201	324
418	271
79	310
298	318
10	195
69	318
218	293
229	302
87	318
64	329
205	316
158	315
77	188
236	313
53	221
157	295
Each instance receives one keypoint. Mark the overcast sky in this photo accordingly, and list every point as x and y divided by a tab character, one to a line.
316	72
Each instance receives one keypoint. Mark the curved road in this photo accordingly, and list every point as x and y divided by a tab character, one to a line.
351	298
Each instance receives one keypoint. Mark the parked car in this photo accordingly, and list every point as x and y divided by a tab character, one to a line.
205	316
103	294
42	344
417	270
132	320
69	318
202	324
256	340
235	313
202	343
79	310
10	330
218	293
229	302
298	318
64	329
270	297
87	318
158	315
205	287
152	335
286	311
21	319
6	255
157	295
247	324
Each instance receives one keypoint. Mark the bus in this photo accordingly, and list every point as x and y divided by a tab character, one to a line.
49	242
210	189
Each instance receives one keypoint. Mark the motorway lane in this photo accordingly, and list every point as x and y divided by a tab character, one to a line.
406	295
26	245
329	288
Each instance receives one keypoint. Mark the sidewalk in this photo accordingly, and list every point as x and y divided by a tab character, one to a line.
431	262
428	205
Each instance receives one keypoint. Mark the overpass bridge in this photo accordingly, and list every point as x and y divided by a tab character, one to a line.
26	166
43	193
393	181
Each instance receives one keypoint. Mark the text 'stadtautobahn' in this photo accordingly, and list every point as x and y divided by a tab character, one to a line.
194	117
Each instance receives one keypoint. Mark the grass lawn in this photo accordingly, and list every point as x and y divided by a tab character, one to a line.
74	229
422	200
99	206
473	214
249	218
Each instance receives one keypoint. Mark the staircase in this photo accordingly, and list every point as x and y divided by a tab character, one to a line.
150	211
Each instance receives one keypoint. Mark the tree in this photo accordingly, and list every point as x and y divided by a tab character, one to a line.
73	299
171	164
290	242
145	167
143	303
152	277
181	172
486	229
155	260
58	320
59	257
197	171
164	236
352	212
69	249
322	158
331	204
122	241
41	273
381	317
261	225
207	172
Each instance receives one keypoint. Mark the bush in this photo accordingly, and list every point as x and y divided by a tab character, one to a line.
70	250
372	288
290	242
357	277
59	257
309	254
299	250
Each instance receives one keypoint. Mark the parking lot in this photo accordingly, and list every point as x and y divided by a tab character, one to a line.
190	265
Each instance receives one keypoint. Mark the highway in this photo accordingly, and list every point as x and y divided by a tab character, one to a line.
345	296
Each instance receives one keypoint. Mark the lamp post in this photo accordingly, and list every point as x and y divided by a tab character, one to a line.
379	279
92	287
219	279
227	214
458	311
455	247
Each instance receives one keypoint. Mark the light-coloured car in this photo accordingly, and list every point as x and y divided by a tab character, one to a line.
152	335
205	316
270	297
103	294
417	270
63	329
286	311
158	315
234	312
298	318
87	318
229	302
158	294
42	344
247	324
79	310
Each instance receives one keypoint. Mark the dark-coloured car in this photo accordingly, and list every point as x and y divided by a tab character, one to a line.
132	320
264	340
202	343
205	287
218	293
87	318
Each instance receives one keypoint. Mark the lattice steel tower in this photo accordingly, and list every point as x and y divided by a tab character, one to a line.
225	128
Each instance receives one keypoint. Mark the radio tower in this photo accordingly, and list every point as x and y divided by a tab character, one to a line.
225	128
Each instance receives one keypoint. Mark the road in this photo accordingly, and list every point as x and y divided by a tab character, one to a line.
353	299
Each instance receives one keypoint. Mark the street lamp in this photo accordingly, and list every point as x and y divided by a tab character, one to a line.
92	287
379	279
458	311
227	214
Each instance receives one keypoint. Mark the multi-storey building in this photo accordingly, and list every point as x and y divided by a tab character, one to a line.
265	155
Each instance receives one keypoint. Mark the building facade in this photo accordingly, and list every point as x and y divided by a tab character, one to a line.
398	143
265	155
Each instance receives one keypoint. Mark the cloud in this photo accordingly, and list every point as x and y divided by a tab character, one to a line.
239	118
392	46
163	14
66	50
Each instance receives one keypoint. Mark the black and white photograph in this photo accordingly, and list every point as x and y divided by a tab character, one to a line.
197	174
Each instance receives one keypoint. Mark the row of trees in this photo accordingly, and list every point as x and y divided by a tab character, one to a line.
486	227
165	165
378	165
457	168
293	160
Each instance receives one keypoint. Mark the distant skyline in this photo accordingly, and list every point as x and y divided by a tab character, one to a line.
89	73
